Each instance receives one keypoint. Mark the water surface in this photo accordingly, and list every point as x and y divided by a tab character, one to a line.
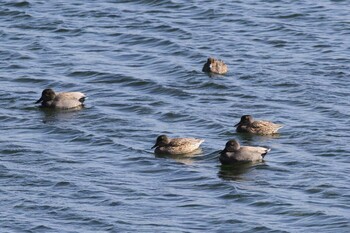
140	64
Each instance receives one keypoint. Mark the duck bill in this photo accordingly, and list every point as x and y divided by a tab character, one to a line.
41	99
237	124
155	145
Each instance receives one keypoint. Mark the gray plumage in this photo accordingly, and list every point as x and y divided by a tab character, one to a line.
234	153
63	100
215	66
249	125
176	146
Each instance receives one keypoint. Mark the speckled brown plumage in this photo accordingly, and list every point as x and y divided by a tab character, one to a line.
174	146
249	125
215	66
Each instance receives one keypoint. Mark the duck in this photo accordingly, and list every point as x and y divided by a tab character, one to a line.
249	125
215	66
176	146
62	100
235	153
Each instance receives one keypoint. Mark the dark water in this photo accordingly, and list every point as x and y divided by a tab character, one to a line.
140	64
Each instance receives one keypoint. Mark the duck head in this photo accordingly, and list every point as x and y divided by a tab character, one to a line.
245	119
232	145
162	140
46	95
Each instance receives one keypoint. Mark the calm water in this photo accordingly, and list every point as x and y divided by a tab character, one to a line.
140	64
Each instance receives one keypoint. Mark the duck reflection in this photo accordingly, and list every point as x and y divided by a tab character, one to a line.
186	159
236	172
248	137
52	115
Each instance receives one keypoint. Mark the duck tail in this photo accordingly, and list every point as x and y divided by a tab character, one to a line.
82	99
266	151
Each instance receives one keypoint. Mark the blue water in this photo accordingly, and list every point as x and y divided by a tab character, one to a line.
140	62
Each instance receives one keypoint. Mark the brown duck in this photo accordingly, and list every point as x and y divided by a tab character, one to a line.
249	125
176	146
215	66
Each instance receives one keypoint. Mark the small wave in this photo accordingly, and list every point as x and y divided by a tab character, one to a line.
291	16
63	184
18	4
68	31
89	73
41	228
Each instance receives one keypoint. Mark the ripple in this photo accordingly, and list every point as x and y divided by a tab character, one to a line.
18	4
140	64
15	13
291	16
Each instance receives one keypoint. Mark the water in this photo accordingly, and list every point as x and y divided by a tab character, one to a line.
140	64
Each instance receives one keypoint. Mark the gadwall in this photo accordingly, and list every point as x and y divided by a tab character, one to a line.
215	66
63	100
176	146
234	153
248	125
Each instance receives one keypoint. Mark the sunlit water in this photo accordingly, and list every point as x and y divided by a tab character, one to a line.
140	64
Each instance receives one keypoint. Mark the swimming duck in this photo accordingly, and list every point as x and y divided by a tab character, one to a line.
248	125
63	100
234	153
176	146
215	66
